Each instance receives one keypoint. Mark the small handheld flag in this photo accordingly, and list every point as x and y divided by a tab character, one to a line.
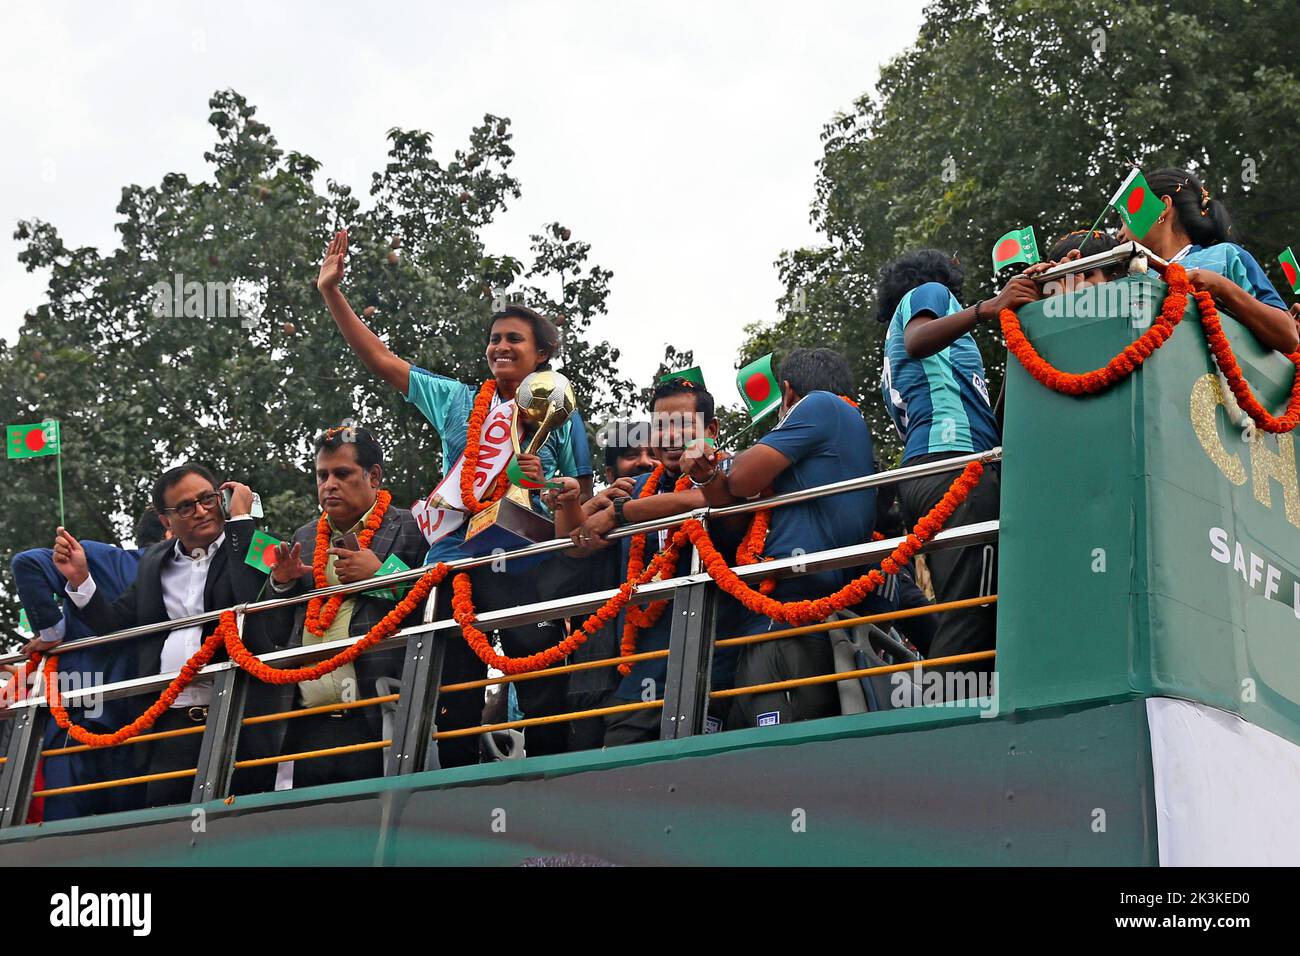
37	441
1136	204
517	477
758	387
692	375
33	441
392	565
261	551
24	625
1018	245
1291	269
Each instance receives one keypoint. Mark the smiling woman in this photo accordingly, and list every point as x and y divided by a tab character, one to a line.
473	422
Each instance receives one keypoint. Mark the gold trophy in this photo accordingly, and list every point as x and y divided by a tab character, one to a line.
543	402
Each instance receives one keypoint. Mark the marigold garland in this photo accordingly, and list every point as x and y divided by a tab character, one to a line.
793	613
228	631
638	619
1222	352
470	501
151	714
318	620
797	613
1127	361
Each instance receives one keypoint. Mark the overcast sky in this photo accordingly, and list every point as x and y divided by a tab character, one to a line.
679	139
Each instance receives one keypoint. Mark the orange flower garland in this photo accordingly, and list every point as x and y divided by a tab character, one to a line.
319	620
228	631
638	619
750	549
1124	364
1118	368
1222	352
147	719
469	467
796	613
462	608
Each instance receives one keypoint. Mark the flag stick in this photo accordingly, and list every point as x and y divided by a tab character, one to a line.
59	468
1093	229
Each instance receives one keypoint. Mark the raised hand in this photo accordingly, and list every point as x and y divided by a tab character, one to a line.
288	563
70	558
331	270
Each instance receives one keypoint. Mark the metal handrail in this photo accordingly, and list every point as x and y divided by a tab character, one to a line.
1132	255
961	537
555	545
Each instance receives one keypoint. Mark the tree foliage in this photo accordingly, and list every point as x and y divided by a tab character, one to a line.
137	391
1006	113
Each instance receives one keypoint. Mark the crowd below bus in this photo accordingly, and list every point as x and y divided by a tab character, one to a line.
191	546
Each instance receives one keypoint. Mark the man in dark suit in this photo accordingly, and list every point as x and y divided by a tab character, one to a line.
201	569
349	471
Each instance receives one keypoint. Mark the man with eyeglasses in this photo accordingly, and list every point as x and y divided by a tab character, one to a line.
201	569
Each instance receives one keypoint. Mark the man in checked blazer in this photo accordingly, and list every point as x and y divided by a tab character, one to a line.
349	471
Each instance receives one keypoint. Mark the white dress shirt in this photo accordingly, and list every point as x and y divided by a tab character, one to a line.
184	578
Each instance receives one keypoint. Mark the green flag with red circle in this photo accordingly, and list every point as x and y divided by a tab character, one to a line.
33	441
1018	245
261	551
1137	204
758	387
1290	269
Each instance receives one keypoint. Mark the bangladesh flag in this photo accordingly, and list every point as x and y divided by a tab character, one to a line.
1019	245
1291	269
758	387
33	441
1136	204
692	374
391	565
517	477
261	552
24	624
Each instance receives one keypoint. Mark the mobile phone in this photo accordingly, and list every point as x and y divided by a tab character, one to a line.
227	495
348	542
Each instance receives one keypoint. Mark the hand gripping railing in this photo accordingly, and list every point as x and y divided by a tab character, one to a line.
689	654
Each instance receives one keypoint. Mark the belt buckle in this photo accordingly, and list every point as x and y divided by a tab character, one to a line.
337	713
198	714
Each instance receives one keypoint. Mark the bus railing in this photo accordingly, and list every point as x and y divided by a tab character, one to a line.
411	748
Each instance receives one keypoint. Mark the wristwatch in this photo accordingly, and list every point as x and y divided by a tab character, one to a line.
723	468
620	519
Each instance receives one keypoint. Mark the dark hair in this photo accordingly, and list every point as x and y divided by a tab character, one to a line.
681	386
817	370
614	452
1205	220
545	335
1097	241
172	476
149	529
361	439
914	269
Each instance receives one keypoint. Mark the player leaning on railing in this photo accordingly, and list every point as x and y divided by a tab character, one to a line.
821	438
1194	231
679	409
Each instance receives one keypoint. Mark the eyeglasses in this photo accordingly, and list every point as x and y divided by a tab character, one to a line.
186	508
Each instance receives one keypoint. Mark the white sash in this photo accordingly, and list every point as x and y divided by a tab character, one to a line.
443	511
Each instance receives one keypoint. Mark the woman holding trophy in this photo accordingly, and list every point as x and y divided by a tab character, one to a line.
479	429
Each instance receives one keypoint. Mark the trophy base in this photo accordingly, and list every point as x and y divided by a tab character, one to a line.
505	525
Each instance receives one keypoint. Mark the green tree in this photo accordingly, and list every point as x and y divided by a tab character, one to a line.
141	379
1008	112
